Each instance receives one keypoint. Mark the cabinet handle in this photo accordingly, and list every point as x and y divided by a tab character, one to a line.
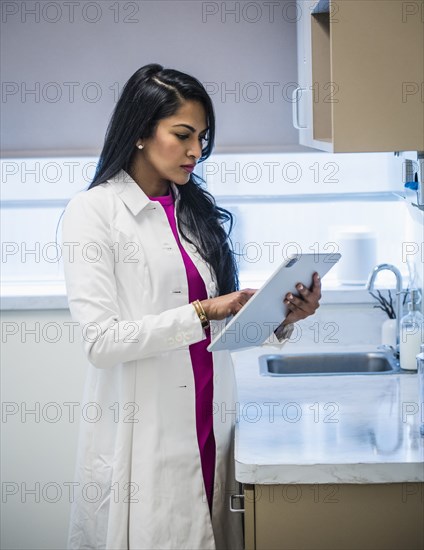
295	107
232	509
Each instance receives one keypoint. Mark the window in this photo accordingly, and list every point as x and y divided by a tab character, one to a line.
283	203
34	195
295	203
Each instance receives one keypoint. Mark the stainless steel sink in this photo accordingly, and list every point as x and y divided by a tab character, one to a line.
330	363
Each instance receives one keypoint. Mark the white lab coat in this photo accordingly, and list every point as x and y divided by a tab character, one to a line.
138	481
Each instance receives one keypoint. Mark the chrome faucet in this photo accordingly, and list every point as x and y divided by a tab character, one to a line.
399	292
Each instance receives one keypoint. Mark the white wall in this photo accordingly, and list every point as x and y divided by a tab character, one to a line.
250	51
41	371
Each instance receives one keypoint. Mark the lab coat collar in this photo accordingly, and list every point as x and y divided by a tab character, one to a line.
136	200
131	193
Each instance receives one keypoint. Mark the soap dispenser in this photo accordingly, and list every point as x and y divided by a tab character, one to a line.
420	368
411	334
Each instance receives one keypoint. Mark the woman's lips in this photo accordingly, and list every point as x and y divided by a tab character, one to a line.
188	168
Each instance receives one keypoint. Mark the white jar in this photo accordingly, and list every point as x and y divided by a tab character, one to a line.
358	247
388	333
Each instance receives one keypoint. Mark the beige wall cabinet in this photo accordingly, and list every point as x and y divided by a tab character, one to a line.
361	75
334	517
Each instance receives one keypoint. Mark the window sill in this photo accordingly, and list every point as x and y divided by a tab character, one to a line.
20	296
53	295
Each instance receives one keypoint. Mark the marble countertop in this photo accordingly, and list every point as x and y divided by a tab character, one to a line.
326	429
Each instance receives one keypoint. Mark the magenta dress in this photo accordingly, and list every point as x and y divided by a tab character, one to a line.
201	360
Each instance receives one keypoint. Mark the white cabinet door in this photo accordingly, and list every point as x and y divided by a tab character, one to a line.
303	96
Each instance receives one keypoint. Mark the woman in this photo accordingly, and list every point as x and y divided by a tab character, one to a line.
151	274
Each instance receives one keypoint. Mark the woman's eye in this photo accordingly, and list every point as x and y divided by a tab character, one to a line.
203	139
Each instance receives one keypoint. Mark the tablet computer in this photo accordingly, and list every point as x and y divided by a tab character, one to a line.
265	310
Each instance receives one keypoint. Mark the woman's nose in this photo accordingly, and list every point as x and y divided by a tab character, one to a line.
195	150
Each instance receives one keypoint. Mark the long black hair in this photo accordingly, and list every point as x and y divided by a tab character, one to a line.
151	94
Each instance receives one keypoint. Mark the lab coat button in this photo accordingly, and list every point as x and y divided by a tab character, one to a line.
212	286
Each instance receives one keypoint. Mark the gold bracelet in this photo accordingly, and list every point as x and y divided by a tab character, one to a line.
201	314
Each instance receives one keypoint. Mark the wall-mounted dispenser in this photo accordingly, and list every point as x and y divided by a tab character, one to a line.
413	180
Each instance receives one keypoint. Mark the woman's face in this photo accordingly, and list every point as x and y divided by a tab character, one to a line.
177	142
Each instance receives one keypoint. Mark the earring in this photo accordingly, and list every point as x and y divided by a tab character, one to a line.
140	146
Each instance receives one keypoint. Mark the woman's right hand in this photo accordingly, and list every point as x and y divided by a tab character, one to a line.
229	304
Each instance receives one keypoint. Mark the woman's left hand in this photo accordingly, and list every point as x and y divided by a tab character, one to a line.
304	305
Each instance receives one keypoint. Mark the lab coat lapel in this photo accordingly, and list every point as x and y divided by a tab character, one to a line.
206	273
136	200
